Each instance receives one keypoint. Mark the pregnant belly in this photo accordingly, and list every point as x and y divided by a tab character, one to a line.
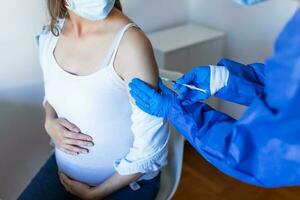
92	168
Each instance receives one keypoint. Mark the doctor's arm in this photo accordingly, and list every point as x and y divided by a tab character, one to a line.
245	82
256	149
227	80
262	148
251	149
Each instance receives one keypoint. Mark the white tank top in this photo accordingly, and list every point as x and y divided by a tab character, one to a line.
99	105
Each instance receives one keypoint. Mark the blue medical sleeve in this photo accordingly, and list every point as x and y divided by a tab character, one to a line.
245	82
263	147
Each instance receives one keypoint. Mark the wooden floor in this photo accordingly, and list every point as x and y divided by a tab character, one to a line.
202	181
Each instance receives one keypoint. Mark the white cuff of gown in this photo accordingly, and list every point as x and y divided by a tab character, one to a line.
151	164
219	76
150	146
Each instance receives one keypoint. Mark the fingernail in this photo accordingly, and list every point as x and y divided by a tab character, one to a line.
85	151
90	144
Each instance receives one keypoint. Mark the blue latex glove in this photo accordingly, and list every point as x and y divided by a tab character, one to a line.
199	77
151	101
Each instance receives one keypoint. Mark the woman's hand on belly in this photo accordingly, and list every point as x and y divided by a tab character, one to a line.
67	136
81	190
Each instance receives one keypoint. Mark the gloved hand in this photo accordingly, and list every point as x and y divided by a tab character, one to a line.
210	78
149	100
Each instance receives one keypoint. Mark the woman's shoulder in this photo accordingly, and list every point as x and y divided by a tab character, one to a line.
137	57
133	36
134	39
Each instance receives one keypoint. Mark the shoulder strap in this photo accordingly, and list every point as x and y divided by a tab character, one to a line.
60	23
117	42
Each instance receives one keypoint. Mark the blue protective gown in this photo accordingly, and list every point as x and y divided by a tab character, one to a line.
263	147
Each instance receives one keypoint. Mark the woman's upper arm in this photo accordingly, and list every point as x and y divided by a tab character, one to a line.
136	58
149	150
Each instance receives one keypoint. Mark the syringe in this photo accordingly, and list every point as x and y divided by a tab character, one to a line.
192	87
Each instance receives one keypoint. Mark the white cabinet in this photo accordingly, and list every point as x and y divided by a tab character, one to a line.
183	47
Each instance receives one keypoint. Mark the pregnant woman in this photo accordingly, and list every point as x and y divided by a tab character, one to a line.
105	146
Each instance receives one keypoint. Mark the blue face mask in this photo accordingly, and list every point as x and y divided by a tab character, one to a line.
249	2
91	9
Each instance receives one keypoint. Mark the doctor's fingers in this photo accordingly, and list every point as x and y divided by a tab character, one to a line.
164	89
139	95
178	87
144	107
186	78
140	86
182	91
141	101
193	97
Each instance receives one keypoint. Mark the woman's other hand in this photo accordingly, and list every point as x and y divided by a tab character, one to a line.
78	189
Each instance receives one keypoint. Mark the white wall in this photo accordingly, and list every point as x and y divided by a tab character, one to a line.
20	75
153	15
19	69
250	31
19	21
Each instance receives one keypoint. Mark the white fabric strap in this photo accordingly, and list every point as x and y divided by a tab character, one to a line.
118	40
218	78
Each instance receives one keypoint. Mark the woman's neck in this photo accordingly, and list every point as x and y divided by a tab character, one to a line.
82	27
